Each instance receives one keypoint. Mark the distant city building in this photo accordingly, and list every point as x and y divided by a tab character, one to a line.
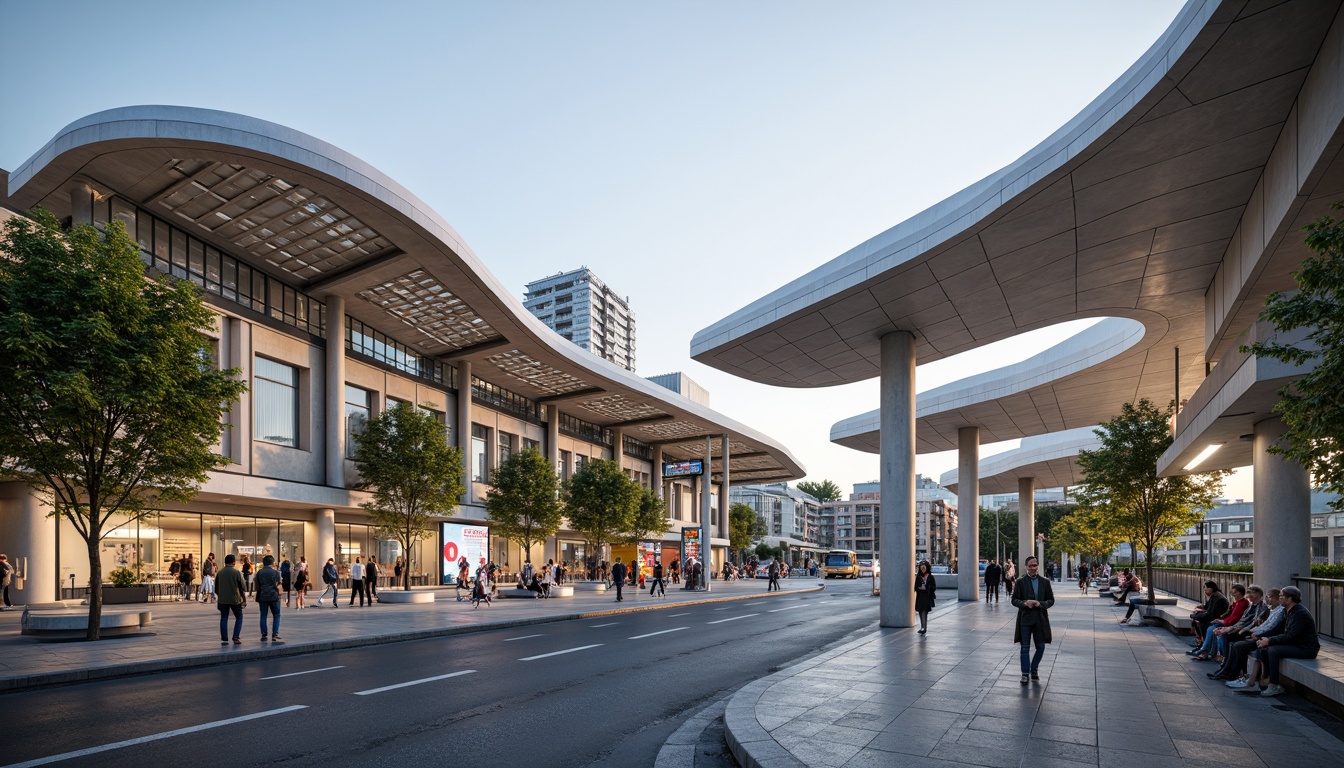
855	523
791	516
683	385
580	307
1045	497
1227	535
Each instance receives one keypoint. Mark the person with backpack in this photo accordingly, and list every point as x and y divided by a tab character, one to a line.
268	597
330	577
232	598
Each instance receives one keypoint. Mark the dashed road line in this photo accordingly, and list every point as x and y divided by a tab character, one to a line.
675	615
734	618
558	653
414	682
651	634
306	672
599	626
524	637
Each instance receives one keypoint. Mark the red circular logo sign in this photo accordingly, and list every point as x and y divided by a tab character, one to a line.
450	551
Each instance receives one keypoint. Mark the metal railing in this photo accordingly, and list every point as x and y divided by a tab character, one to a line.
1189	582
1325	599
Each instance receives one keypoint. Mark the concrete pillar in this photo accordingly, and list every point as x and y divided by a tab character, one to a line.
81	208
335	391
325	544
618	447
464	426
1282	496
1026	521
706	530
656	476
968	513
28	537
897	607
553	436
725	524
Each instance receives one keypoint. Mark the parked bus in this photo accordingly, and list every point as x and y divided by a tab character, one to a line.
841	563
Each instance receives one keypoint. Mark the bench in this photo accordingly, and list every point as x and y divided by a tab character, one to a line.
1175	618
1320	680
557	590
73	625
589	586
402	596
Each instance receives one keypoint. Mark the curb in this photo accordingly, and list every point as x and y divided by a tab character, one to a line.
114	671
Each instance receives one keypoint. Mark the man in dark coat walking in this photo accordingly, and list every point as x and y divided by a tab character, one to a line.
993	575
1032	597
618	574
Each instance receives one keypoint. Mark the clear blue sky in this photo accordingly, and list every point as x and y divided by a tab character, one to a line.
696	155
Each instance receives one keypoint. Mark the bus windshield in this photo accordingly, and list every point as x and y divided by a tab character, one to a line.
838	560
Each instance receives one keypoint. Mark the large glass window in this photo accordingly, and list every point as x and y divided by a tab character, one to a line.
275	400
479	436
563	469
358	405
505	447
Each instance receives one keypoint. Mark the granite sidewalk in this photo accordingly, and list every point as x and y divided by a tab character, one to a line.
186	634
1109	695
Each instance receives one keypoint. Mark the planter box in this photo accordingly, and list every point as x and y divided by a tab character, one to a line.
590	586
403	597
122	595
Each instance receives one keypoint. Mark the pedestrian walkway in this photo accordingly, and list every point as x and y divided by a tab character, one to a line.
1109	695
186	634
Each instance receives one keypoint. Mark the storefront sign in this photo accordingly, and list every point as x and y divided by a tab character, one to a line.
462	540
690	544
683	468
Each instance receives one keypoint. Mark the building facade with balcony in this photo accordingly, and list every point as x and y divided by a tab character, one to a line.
580	307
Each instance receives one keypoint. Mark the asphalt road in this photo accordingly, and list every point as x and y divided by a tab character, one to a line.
595	692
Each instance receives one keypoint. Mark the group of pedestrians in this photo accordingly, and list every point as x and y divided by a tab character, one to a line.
995	575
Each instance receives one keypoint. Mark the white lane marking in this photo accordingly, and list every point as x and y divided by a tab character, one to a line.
154	737
790	608
724	608
308	672
675	615
733	618
651	634
599	626
524	637
414	682
557	653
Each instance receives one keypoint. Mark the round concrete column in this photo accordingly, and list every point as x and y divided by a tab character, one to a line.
1026	521
464	427
968	513
706	530
725	528
326	541
1282	495
898	480
29	539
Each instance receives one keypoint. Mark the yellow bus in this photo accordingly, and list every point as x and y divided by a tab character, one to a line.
841	563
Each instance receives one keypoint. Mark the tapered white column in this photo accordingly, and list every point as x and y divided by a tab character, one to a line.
1026	521
326	541
705	528
464	427
1282	496
968	513
897	608
656	476
335	391
725	525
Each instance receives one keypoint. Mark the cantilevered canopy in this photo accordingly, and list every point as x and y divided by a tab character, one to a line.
1050	460
1150	205
330	225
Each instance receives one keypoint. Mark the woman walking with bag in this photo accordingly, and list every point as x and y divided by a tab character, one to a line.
925	587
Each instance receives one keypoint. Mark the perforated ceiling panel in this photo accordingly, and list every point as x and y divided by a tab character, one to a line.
520	367
619	408
423	303
286	225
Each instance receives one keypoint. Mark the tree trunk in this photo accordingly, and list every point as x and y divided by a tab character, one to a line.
1148	570
95	589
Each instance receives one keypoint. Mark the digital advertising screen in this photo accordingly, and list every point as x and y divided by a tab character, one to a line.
464	540
690	544
683	468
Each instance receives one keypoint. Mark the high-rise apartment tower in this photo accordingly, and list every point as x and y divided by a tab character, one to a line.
580	307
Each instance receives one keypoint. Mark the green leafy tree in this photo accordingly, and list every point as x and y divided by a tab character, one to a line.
1085	532
406	463
1007	522
1311	406
109	400
744	526
523	503
601	503
1122	483
823	491
649	521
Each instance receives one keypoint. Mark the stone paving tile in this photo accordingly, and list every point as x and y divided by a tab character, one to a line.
1110	696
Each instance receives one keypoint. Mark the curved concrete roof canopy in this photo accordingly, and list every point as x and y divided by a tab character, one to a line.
1052	460
330	225
1160	202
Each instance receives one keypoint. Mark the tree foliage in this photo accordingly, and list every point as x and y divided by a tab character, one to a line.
744	526
523	503
1087	532
601	503
650	519
405	461
109	399
823	491
1122	485
1311	407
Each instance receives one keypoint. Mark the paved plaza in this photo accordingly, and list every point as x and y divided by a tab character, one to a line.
186	634
1109	695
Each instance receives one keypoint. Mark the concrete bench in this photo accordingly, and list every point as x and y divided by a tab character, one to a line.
1321	679
1177	620
557	590
73	625
401	596
590	586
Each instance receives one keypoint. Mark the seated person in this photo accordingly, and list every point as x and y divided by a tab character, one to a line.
1296	640
1129	584
1215	605
1268	617
1233	615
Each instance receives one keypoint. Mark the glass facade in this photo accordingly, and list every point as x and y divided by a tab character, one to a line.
275	397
